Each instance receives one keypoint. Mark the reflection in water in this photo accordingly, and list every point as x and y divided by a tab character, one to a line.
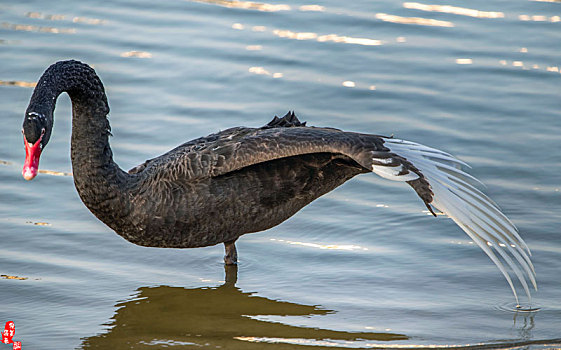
223	317
30	28
39	15
524	322
38	223
18	83
248	5
259	71
349	40
539	18
323	38
55	173
138	54
347	247
263	71
43	16
453	10
316	8
254	47
10	277
413	20
87	20
520	64
295	35
282	33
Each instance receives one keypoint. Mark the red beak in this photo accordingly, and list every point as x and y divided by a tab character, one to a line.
32	154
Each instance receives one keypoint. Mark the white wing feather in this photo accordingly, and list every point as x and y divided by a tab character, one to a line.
455	194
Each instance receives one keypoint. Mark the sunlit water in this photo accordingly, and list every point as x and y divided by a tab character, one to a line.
363	266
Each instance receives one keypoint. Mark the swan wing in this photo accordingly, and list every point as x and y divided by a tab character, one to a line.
240	147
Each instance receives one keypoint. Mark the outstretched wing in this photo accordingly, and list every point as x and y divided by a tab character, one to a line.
454	193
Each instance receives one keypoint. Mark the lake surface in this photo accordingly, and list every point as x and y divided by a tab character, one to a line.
362	267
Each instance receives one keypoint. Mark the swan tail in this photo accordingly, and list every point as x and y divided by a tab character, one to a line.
440	181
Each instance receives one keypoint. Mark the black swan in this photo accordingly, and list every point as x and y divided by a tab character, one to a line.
216	188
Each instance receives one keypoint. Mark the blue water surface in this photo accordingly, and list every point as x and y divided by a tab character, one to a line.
362	267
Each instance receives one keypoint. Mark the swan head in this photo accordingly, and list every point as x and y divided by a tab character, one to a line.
35	137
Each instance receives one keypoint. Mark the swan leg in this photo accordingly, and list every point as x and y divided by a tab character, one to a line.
231	257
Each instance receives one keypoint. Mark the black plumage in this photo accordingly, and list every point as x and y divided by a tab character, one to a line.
206	191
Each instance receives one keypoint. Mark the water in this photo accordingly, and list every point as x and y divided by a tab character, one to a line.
361	267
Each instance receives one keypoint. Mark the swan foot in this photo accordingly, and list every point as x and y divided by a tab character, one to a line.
231	257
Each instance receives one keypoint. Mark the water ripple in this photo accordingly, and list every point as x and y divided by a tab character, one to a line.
137	54
18	83
348	247
325	38
453	10
522	309
539	18
59	17
413	20
247	5
32	28
285	33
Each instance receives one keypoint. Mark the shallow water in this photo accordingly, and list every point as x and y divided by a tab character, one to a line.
361	267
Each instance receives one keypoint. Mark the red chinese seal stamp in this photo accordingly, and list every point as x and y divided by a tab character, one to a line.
8	334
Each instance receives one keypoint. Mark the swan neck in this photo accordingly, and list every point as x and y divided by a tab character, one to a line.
100	182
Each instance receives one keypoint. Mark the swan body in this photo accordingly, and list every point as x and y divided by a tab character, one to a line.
216	188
